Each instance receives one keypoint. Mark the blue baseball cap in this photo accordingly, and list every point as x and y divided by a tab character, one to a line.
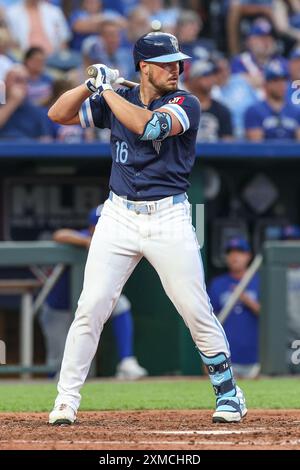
295	53
237	243
261	27
291	232
276	69
94	215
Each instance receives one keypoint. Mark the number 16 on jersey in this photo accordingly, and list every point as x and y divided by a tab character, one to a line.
121	151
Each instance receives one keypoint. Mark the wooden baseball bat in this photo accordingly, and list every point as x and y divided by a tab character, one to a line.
92	72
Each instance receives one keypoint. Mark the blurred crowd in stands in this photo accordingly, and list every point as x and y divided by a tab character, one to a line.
244	67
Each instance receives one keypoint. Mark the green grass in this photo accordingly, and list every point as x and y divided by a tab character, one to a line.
153	394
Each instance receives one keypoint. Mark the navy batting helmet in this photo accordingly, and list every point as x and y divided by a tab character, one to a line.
158	47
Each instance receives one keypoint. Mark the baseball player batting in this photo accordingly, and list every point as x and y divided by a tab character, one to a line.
153	134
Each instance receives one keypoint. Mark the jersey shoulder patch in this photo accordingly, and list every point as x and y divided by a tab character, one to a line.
177	100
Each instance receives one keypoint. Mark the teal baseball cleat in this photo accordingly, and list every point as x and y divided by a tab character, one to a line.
230	400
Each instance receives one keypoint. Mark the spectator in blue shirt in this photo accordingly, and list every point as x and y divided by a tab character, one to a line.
40	83
106	48
238	9
88	20
139	23
241	326
20	119
275	117
188	29
124	7
236	93
260	50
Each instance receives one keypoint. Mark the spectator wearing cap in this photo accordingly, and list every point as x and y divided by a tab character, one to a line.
235	92
88	19
241	325
188	28
239	9
106	48
275	117
260	50
215	123
37	23
292	233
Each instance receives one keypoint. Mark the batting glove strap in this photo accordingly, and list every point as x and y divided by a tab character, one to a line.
90	84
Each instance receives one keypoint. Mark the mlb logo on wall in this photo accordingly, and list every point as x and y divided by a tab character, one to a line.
36	206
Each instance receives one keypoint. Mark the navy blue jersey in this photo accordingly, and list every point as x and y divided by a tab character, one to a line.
241	325
148	170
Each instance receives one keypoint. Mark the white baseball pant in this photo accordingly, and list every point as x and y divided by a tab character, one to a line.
167	239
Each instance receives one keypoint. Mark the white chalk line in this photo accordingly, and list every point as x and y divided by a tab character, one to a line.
213	432
136	442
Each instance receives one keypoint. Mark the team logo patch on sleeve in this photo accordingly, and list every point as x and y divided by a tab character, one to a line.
177	100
